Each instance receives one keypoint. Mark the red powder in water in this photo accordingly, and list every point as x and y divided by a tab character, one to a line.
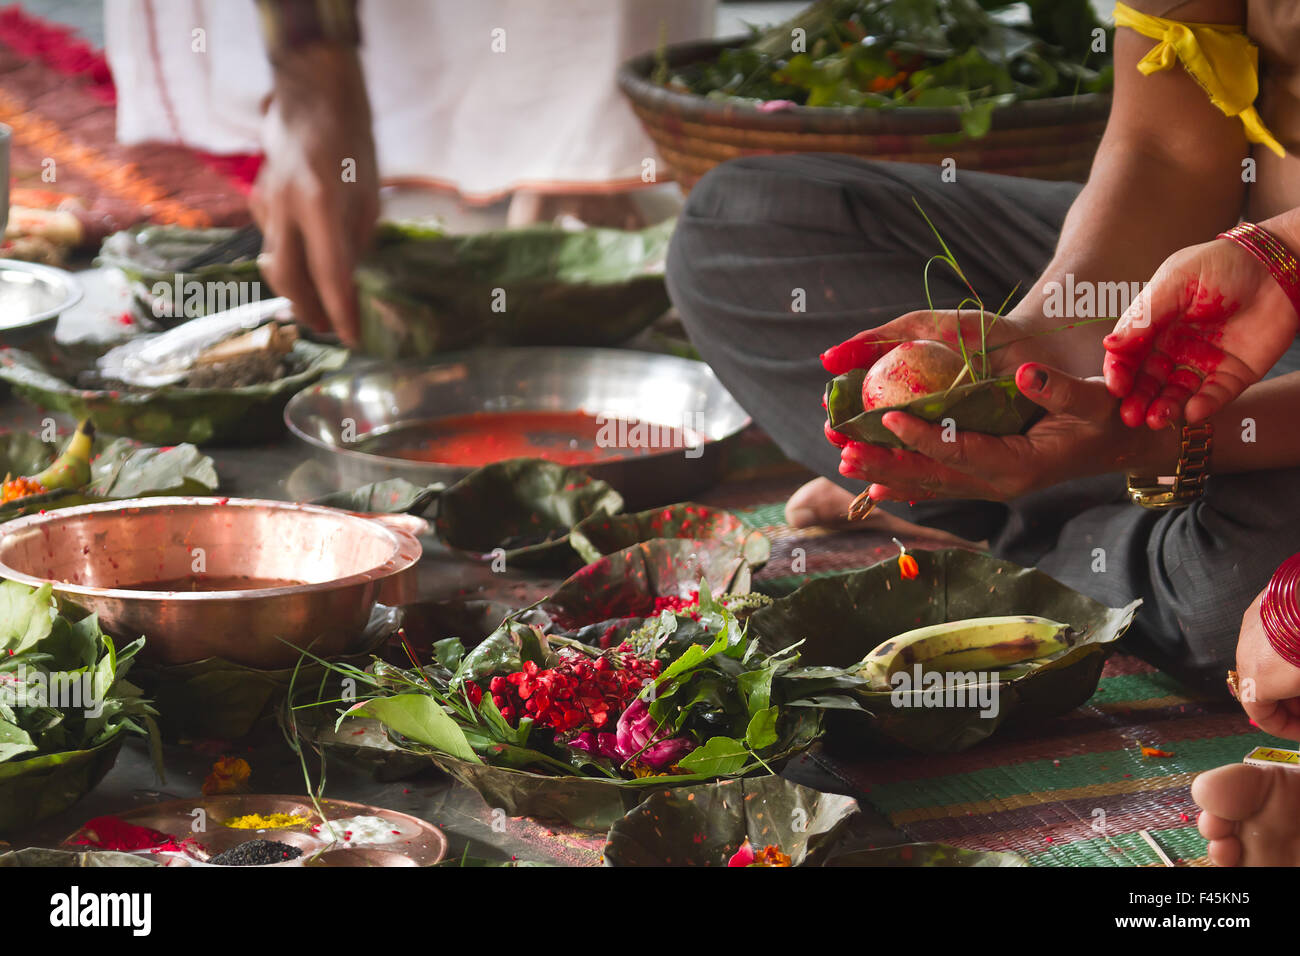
568	438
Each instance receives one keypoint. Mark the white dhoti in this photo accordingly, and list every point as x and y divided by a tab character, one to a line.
480	96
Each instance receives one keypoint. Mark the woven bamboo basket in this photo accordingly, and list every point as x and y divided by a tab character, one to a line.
1043	139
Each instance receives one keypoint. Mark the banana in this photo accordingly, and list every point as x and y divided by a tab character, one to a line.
974	644
69	471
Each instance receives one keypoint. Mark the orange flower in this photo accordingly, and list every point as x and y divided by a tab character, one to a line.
1156	752
229	775
16	488
907	566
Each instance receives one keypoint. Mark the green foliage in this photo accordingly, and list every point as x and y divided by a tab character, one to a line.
891	54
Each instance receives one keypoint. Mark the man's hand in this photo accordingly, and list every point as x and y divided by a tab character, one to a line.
317	196
1270	686
1080	435
1211	321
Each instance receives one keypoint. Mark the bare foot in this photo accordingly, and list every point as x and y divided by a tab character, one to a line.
1250	815
820	502
823	504
612	210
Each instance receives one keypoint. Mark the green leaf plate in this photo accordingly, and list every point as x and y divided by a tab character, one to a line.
171	415
423	292
705	825
218	699
599	535
151	257
842	618
625	584
525	507
120	469
45	857
994	407
38	787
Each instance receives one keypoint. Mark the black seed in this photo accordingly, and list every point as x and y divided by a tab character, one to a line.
257	853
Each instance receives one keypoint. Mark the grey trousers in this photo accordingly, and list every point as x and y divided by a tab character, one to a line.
758	233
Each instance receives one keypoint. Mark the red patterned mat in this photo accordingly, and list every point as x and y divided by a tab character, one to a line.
57	95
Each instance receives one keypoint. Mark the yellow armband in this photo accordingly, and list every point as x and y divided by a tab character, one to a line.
1220	57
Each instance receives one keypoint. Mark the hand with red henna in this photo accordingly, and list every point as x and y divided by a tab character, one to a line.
1211	321
939	325
1080	435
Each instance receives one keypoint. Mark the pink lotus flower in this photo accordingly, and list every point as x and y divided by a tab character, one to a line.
636	736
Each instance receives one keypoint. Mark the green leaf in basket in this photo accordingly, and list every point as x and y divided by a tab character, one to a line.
718	757
420	718
525	507
994	406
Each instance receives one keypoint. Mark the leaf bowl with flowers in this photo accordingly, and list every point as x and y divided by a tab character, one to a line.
575	725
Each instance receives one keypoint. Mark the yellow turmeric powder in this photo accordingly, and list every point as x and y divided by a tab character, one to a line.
276	821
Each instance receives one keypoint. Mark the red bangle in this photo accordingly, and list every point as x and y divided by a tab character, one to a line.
1280	612
1277	258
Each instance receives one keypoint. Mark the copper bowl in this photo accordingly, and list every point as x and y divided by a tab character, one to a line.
275	572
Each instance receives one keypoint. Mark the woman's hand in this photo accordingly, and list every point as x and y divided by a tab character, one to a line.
1269	686
1080	435
1211	321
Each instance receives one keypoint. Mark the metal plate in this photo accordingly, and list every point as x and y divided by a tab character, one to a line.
98	556
418	842
341	413
31	299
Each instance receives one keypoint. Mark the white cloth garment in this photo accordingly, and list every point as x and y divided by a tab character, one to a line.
543	113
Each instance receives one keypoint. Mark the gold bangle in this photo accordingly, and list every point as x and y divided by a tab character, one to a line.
1188	481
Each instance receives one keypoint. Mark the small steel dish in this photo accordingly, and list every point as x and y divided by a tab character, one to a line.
93	554
32	297
340	414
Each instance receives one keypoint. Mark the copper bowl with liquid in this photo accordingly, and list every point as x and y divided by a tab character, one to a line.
217	577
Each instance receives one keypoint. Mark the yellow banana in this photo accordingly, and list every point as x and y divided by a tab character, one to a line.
974	644
72	468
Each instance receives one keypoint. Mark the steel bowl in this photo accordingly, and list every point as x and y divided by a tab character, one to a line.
97	557
32	297
339	415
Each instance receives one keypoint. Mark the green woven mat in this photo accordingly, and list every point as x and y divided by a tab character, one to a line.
1074	792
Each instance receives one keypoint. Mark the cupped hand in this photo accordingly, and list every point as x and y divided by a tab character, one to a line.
316	198
939	325
1269	685
1080	435
1211	321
